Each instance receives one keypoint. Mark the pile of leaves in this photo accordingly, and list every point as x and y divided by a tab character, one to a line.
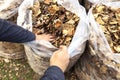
109	20
51	18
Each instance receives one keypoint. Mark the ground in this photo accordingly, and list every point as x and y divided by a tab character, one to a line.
16	70
20	70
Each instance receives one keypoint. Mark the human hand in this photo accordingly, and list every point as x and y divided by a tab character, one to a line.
46	37
60	58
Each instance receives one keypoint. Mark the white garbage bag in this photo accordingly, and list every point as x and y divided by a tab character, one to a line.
42	49
8	8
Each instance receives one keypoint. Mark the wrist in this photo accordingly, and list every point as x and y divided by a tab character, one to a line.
58	67
55	72
35	36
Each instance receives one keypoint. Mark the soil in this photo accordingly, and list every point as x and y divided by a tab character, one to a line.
16	70
20	70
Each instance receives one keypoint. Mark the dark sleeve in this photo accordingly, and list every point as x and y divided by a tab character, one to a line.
12	33
53	73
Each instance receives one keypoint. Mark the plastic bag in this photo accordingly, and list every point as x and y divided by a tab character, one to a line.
101	62
92	67
78	42
100	1
89	3
97	38
8	8
11	50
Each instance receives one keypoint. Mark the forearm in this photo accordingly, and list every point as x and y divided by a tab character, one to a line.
12	33
53	73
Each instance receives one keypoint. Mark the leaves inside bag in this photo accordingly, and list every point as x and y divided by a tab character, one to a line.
109	20
51	18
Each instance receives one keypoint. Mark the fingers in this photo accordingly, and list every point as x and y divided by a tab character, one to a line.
51	38
59	57
48	37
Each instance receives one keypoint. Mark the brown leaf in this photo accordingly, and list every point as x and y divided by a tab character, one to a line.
109	20
56	20
58	23
52	9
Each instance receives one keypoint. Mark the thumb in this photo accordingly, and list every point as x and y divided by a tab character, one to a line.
62	47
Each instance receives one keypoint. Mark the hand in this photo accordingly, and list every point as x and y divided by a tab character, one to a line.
60	58
46	37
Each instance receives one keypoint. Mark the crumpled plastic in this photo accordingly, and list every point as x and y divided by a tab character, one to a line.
8	8
78	42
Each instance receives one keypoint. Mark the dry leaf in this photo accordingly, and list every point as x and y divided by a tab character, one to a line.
109	19
56	20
